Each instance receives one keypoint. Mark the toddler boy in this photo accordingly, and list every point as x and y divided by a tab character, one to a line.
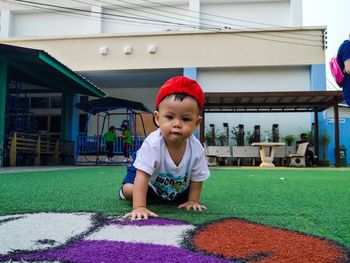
170	165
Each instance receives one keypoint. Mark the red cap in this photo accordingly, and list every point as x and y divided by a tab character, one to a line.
181	84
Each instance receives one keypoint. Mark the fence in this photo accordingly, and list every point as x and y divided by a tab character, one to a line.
92	145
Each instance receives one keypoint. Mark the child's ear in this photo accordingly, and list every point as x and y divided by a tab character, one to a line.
198	121
156	116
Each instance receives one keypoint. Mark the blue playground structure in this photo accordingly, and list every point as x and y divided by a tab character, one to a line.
92	147
18	118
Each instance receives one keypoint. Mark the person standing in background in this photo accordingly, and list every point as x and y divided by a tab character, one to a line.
110	137
126	141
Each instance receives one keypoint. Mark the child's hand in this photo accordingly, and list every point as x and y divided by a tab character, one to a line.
192	205
140	213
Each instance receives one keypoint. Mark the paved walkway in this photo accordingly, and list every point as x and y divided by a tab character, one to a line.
37	168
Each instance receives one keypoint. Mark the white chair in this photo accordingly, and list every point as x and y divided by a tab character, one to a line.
291	150
298	159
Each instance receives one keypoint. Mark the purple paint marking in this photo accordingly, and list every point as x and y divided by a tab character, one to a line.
150	222
113	252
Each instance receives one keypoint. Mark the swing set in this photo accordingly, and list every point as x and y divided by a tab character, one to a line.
108	110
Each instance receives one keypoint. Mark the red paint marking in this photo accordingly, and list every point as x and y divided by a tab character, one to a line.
239	239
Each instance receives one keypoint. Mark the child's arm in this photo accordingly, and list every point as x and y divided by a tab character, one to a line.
139	197
193	197
125	134
347	66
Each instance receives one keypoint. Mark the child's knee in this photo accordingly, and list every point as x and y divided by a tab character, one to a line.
125	191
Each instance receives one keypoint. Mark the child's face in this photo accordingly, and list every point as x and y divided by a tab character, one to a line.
177	119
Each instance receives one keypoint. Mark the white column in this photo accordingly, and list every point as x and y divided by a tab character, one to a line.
5	23
194	5
96	20
296	13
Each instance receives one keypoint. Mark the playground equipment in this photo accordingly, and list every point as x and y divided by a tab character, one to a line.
104	109
18	117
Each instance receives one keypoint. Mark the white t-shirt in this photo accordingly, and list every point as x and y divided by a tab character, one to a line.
167	179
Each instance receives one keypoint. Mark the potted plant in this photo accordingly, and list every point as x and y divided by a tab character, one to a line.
234	136
238	135
222	138
289	139
210	138
310	136
250	138
325	140
268	136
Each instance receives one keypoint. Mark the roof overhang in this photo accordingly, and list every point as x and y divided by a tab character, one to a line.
291	101
109	103
38	68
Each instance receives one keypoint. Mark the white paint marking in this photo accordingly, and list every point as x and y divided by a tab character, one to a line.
170	235
24	233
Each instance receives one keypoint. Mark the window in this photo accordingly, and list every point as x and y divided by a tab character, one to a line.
56	102
39	102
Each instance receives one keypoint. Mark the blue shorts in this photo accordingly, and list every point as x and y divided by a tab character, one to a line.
346	89
130	175
151	195
130	172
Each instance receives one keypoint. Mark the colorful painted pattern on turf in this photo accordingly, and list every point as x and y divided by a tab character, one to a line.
88	237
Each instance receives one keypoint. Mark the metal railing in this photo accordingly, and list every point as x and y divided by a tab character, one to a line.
95	145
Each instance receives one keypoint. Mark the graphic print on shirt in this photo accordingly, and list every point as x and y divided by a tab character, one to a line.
169	186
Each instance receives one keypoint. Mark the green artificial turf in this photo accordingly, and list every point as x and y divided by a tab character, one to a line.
314	201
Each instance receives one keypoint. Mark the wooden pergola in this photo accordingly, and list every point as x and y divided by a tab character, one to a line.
263	102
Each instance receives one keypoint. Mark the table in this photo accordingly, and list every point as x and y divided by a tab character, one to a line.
266	161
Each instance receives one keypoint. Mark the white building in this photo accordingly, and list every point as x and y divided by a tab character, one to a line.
130	47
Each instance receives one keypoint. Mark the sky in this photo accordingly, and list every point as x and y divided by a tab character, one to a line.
335	14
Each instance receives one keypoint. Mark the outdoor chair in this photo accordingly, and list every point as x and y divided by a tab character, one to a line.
298	159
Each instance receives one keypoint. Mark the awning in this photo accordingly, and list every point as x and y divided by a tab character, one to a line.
38	68
291	101
110	103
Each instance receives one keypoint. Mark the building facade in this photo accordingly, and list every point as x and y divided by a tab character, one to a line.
129	48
